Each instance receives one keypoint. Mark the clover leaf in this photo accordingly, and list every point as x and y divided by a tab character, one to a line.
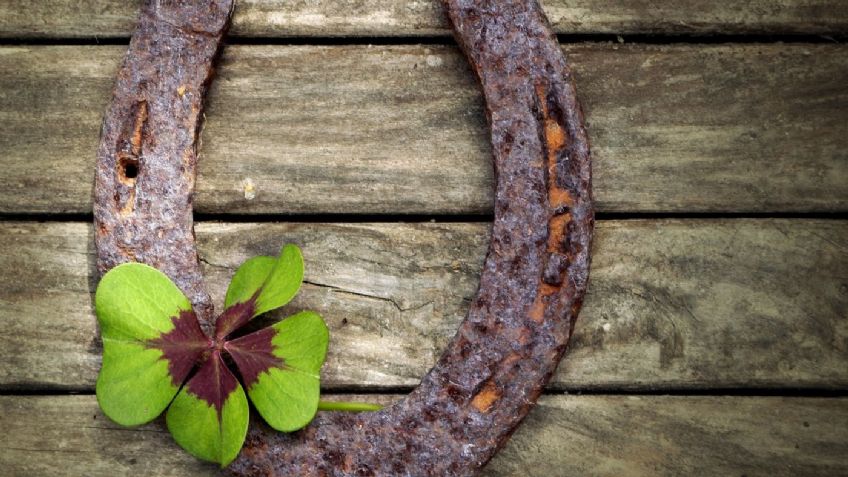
155	356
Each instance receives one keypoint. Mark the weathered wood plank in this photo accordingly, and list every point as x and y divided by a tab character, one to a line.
564	435
664	435
278	18
672	304
400	129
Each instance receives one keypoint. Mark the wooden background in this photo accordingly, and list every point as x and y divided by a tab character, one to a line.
714	339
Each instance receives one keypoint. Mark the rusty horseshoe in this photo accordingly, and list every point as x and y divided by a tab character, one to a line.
535	273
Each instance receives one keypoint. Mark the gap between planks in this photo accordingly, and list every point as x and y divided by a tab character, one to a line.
419	218
564	39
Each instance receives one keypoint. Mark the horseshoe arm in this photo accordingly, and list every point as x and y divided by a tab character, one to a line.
147	154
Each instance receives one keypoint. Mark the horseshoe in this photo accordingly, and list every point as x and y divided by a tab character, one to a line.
535	273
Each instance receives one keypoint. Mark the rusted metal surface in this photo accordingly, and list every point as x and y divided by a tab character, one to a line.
147	154
534	277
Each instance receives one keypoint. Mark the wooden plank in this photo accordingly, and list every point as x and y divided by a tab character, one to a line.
564	435
665	435
672	304
400	129
278	18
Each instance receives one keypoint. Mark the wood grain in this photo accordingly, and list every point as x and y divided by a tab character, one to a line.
672	304
665	435
564	435
401	129
326	18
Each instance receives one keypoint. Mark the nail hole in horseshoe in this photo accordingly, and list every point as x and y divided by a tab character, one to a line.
128	170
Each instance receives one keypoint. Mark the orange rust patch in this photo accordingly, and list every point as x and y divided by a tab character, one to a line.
129	205
138	128
128	160
510	360
542	95
524	336
537	311
486	398
556	231
556	139
554	134
559	197
127	252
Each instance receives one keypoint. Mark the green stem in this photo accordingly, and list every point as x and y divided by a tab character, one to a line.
348	406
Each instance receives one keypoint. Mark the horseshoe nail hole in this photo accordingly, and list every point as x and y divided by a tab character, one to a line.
128	170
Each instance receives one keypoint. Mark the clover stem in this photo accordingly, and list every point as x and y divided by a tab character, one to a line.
348	406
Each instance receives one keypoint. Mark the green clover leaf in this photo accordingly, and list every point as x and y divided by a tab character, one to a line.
151	340
209	416
283	362
156	357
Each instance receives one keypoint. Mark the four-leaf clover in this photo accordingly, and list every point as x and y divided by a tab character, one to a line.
155	355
